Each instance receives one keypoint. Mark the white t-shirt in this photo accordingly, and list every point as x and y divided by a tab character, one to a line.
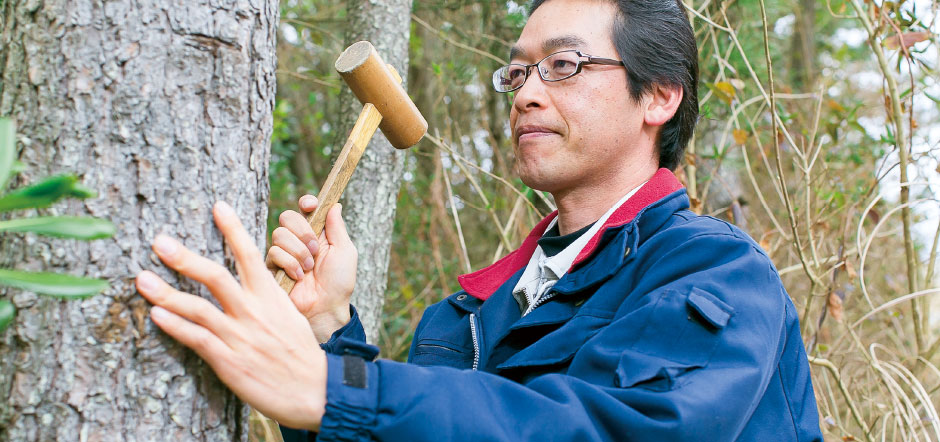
543	271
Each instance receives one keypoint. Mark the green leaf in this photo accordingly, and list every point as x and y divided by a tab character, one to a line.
53	284
44	193
7	312
932	98
61	226
7	150
706	111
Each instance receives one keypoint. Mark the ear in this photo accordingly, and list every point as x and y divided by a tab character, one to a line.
662	103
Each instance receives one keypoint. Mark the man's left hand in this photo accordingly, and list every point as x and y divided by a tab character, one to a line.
260	345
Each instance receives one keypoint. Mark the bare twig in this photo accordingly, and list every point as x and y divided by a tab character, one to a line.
453	210
863	255
479	190
706	19
901	142
311	25
894	302
307	78
437	141
845	393
932	258
776	117
460	45
516	209
775	130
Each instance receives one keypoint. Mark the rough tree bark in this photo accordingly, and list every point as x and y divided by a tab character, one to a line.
370	199
163	106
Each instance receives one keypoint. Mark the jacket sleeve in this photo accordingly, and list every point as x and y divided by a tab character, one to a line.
687	356
352	331
339	341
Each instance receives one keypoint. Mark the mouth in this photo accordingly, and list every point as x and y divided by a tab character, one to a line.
529	132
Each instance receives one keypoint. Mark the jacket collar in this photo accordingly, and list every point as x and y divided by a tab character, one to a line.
482	283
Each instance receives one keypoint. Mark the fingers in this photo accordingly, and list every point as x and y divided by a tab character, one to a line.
287	241
307	203
247	256
278	258
194	308
207	272
335	227
207	345
298	226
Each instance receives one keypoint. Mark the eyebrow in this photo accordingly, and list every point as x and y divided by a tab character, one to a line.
551	45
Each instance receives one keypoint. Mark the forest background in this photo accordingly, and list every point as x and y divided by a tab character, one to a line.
819	136
843	198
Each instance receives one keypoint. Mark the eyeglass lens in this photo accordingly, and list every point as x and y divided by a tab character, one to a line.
557	66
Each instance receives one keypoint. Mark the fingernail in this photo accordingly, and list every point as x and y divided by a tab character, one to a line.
147	281
308	263
224	209
314	246
300	274
159	313
309	202
164	245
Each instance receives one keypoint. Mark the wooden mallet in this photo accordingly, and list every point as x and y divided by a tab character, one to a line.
385	105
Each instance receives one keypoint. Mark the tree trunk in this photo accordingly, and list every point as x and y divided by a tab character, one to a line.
163	107
803	46
370	199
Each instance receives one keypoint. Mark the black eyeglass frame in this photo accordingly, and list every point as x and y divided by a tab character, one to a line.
590	60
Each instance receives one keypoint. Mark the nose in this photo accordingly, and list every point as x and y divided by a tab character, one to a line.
532	94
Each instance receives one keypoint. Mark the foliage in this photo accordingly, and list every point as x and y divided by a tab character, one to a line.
36	196
810	113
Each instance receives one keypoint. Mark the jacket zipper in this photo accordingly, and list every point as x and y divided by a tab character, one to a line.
476	341
543	299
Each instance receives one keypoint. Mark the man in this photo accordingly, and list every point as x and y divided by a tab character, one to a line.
630	319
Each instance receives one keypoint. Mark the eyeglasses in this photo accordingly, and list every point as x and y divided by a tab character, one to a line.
555	67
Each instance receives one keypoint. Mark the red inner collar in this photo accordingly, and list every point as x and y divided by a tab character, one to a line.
484	282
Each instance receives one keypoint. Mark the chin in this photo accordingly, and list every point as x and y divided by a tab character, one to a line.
536	182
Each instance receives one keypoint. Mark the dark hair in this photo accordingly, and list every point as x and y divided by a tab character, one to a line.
655	41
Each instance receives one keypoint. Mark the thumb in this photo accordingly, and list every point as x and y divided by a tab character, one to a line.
335	227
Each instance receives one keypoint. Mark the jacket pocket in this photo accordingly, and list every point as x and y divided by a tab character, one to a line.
678	336
439	352
638	370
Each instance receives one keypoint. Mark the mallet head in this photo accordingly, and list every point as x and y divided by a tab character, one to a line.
374	82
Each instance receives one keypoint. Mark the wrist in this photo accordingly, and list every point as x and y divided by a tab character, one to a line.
325	324
315	412
315	403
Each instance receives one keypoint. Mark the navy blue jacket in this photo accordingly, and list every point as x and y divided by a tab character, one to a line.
668	327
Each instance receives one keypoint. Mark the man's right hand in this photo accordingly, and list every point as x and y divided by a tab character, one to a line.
324	267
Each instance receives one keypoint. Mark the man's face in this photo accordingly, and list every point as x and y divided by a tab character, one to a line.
580	132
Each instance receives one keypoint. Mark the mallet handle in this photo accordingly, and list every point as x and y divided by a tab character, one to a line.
336	182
